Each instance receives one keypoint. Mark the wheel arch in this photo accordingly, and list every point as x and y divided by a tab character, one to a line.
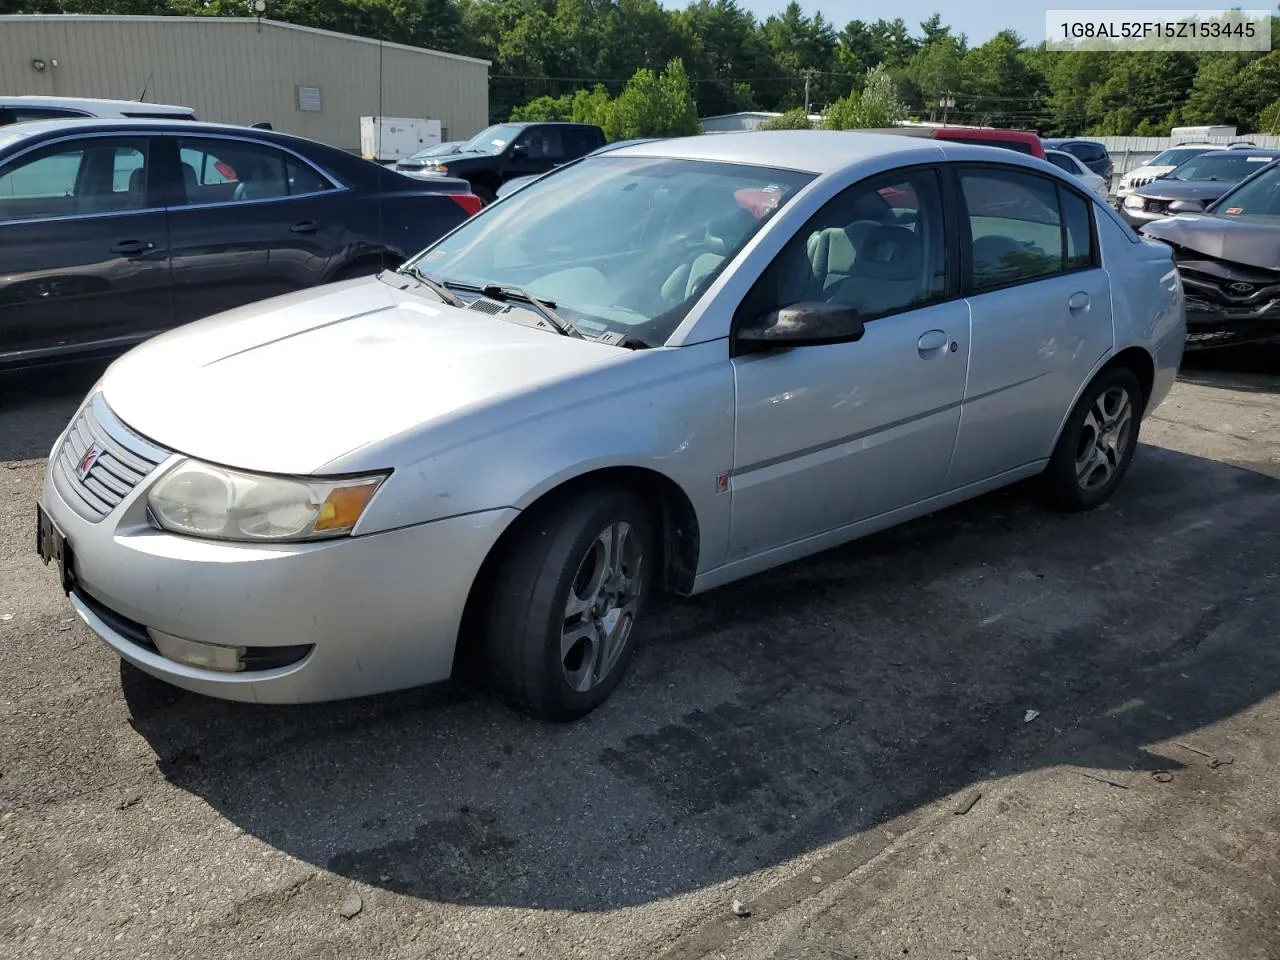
1135	358
675	523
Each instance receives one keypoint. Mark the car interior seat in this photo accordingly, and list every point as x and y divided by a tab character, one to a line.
888	272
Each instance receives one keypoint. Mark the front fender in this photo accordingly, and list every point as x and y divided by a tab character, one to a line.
668	410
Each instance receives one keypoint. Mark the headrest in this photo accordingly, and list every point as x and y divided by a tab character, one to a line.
890	253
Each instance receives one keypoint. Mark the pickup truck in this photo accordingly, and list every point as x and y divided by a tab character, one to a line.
506	151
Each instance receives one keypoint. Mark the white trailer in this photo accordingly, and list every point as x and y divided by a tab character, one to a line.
394	138
1201	133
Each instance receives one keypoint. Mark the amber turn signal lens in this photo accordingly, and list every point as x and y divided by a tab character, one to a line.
342	508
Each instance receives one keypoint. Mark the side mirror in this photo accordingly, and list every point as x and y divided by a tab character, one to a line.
519	151
805	324
1186	206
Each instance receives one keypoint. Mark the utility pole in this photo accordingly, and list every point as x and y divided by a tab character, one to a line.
808	75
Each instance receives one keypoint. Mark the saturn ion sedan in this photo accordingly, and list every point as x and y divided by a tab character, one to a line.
665	367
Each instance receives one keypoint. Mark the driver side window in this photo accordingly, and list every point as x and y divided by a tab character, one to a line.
878	247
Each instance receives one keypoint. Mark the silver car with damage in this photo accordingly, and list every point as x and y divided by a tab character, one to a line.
667	367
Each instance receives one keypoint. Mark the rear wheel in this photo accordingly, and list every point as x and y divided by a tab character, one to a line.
1098	442
564	602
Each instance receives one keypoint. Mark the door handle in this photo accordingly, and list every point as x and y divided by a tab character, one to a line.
304	226
932	343
131	248
1079	302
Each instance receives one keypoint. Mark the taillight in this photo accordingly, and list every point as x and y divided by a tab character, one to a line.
468	202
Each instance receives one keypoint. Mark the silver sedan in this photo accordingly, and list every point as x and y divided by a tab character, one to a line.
666	368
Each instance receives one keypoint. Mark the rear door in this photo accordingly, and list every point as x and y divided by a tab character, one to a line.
248	220
85	246
1041	308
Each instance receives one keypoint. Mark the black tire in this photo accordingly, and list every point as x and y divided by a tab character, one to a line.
527	616
1088	464
486	195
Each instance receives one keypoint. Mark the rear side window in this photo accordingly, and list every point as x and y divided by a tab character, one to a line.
1023	227
21	114
1088	152
234	171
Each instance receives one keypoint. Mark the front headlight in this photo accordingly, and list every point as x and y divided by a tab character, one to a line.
1133	202
201	500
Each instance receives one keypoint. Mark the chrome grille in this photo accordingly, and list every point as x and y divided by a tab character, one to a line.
123	461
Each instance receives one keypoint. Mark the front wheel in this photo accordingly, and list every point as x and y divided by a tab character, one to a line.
564	602
1097	443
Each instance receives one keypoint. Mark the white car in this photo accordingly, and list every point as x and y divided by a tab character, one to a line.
1160	165
19	109
1070	164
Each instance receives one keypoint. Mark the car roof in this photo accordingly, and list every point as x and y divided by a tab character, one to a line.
30	129
810	151
1063	141
91	103
822	152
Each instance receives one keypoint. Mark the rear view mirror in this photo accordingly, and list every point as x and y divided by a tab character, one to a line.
1186	206
805	324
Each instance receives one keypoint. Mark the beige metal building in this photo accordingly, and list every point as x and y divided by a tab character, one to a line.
301	80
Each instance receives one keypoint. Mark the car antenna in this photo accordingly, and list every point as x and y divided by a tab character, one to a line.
143	95
377	150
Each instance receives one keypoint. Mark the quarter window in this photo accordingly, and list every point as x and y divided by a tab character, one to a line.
75	179
877	247
235	171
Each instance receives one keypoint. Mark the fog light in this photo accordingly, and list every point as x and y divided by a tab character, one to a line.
207	656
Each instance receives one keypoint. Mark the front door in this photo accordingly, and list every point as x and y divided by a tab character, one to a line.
827	435
249	221
536	150
85	248
1041	306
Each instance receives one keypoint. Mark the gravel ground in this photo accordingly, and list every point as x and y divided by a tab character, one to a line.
995	732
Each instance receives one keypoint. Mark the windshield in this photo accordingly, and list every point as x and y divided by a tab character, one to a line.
1257	199
1228	166
620	245
1171	158
491	140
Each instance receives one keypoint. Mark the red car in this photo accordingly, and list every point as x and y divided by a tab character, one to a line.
1024	141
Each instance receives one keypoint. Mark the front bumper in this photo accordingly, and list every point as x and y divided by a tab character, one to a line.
353	616
1138	218
1211	326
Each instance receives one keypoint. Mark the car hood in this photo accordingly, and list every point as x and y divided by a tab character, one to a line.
1247	242
1184	189
290	384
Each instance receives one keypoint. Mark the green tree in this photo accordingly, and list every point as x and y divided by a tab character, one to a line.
654	105
793	119
877	105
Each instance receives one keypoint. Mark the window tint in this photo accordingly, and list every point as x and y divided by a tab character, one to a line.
89	177
1087	152
1015	226
579	141
1060	161
877	247
543	143
1076	213
233	171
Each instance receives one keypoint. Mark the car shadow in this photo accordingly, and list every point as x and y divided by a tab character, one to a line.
36	404
1248	369
777	715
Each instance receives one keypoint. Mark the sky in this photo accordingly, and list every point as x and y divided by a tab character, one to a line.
979	19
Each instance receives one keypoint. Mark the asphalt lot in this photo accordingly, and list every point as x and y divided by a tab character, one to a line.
803	742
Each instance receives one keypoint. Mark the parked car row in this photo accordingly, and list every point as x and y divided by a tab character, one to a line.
1228	256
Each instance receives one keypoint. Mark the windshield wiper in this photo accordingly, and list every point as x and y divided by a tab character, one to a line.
435	286
497	291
